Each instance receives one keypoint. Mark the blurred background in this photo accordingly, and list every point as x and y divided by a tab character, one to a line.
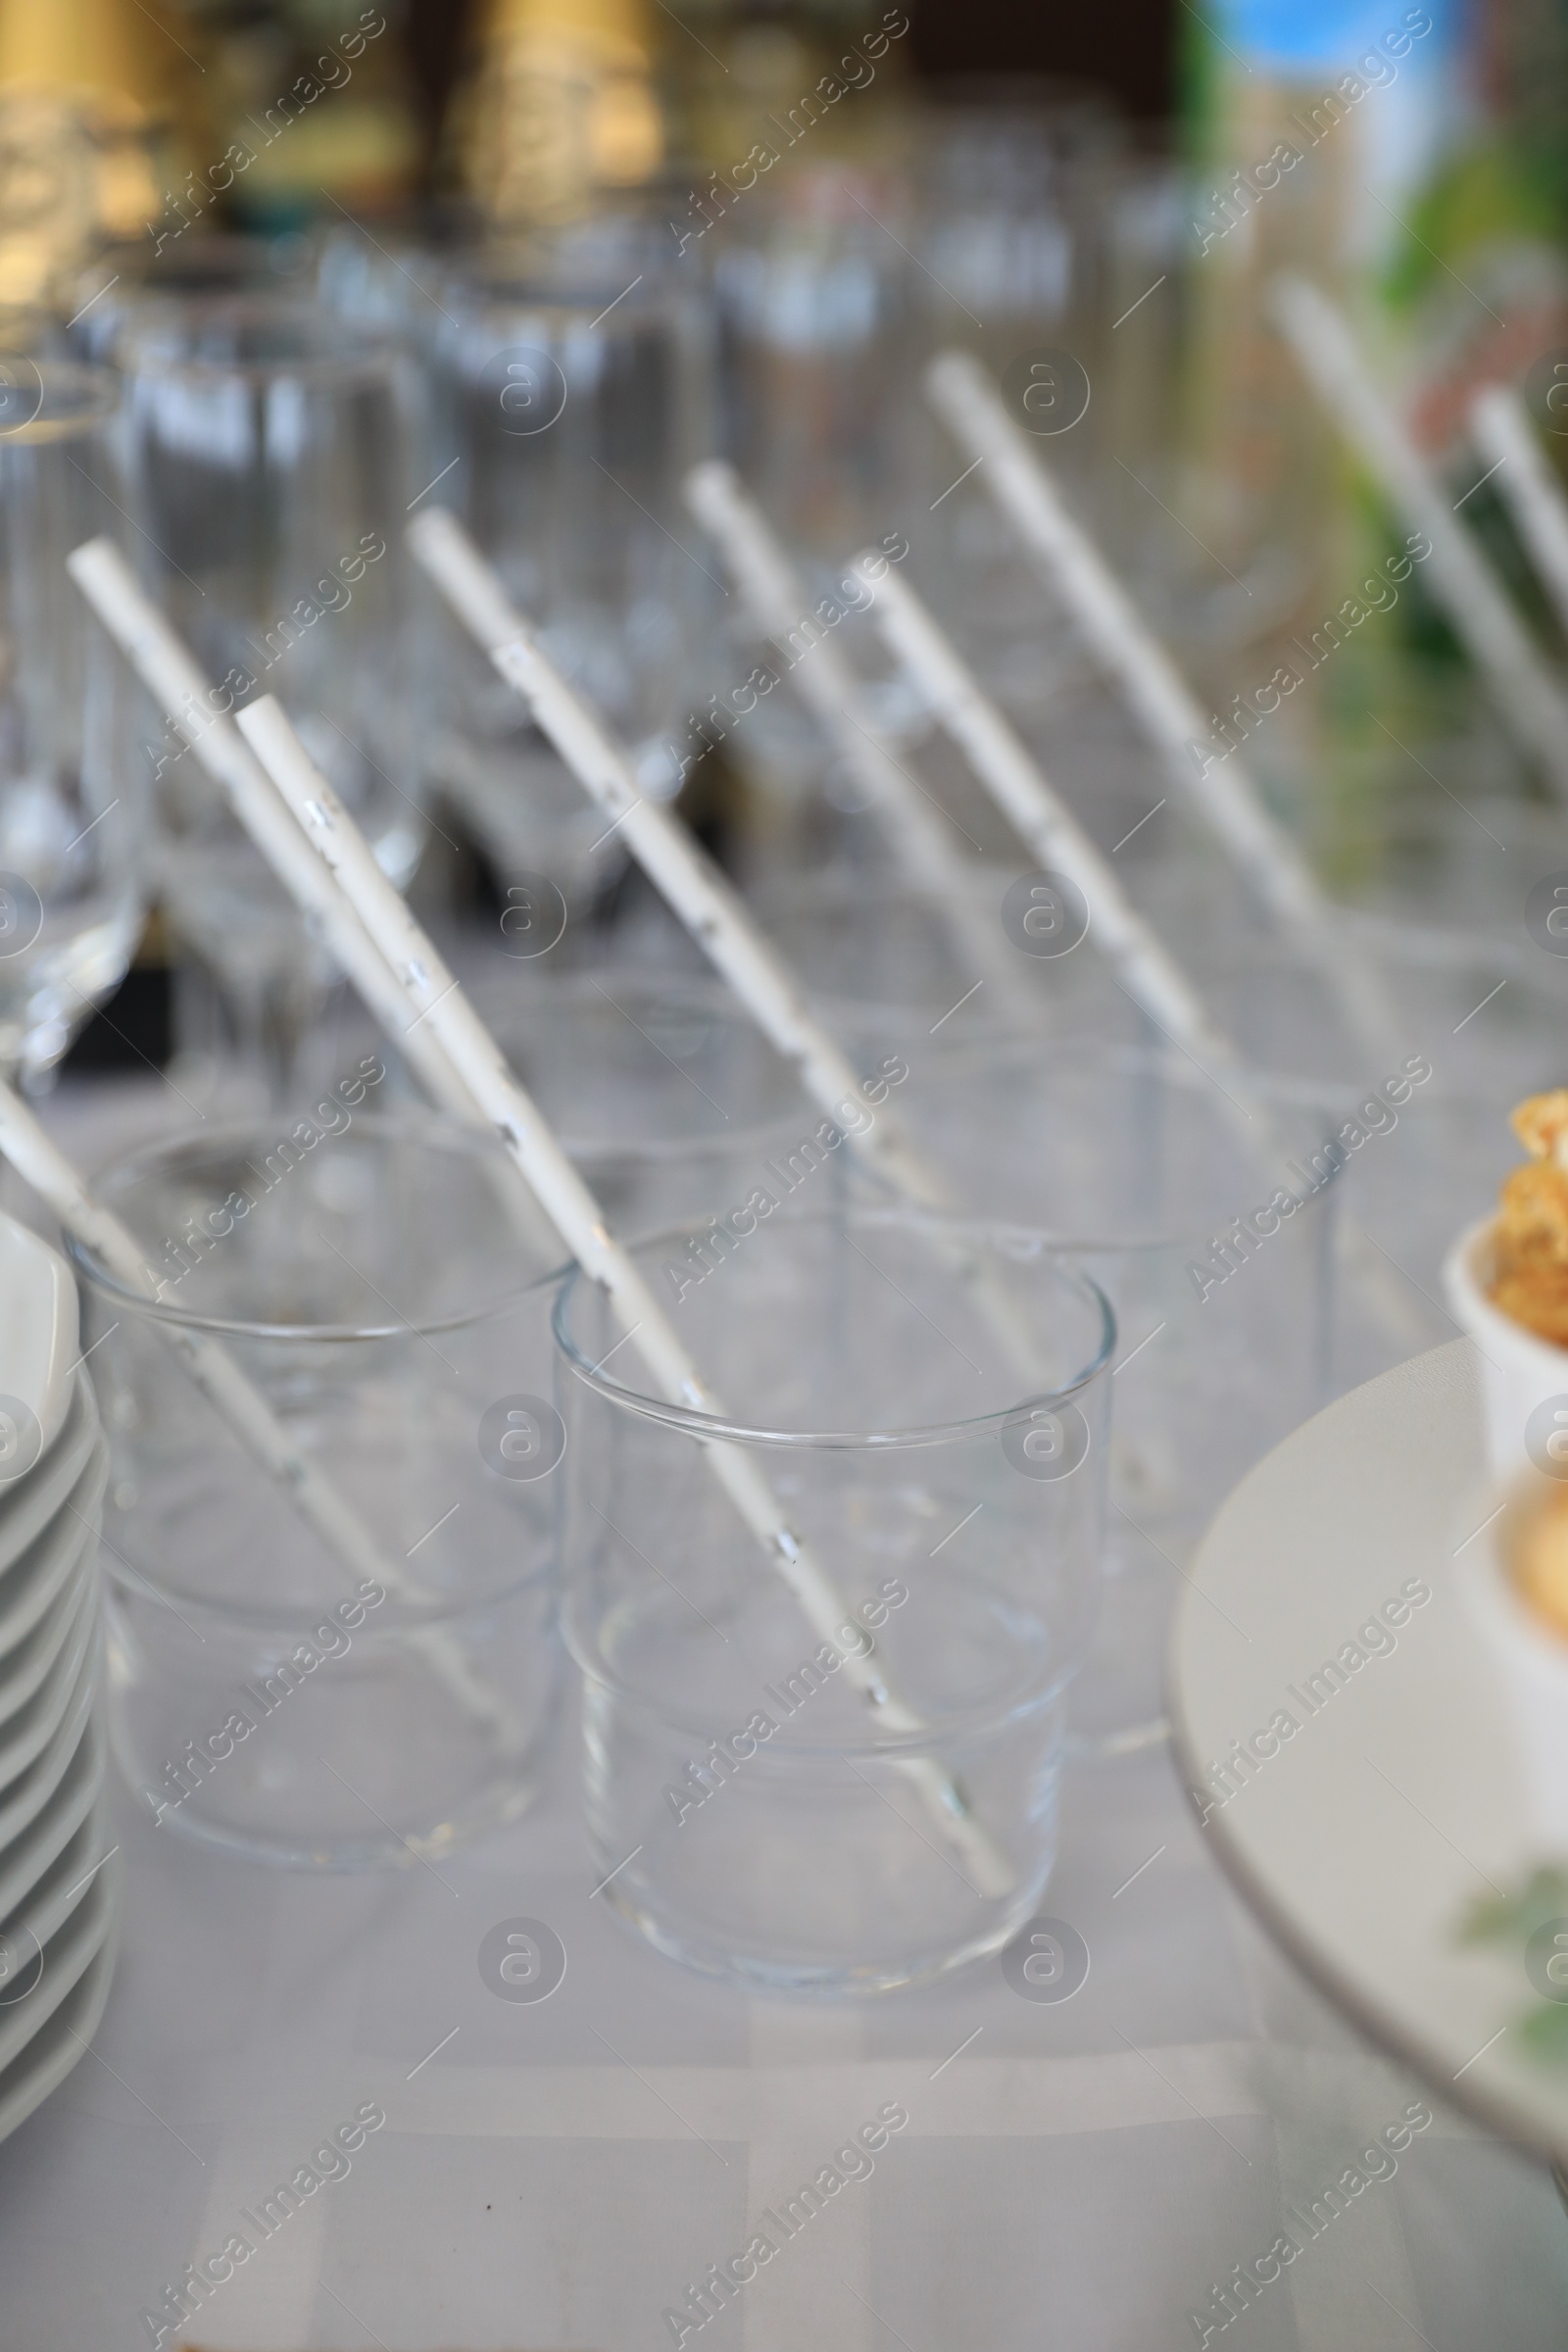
788	209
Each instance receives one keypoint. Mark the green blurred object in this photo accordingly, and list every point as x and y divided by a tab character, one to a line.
1429	196
312	108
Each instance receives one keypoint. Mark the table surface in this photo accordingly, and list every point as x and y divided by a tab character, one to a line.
559	2175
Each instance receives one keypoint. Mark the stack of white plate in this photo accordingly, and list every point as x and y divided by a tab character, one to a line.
56	1891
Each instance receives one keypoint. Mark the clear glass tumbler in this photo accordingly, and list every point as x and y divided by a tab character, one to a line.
1216	1254
271	448
270	1694
926	1402
664	1090
72	774
878	960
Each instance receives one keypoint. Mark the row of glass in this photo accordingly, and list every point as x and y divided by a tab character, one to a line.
928	1399
265	454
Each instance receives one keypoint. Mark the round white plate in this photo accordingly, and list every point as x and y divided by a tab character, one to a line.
28	1858
39	1977
1368	1809
38	1333
29	1588
50	1901
34	1727
28	1507
27	1669
54	2049
27	1797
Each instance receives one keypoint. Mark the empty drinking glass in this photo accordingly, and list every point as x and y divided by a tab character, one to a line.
816	321
860	1792
1216	1254
271	448
73	773
566	385
282	1696
662	1089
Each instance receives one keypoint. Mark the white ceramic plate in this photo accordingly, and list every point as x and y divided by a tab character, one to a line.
32	1790
1371	1807
26	1509
30	1586
54	2049
42	1974
38	1346
50	1901
27	1669
28	1859
34	1727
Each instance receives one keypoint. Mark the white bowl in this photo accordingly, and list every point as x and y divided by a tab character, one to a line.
1533	1661
1518	1371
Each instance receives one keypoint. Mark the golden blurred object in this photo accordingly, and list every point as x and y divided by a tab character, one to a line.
559	106
106	46
1538	1560
1541	1125
85	109
1535	1295
1530	1244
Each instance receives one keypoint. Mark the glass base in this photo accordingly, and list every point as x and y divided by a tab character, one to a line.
818	1871
685	1941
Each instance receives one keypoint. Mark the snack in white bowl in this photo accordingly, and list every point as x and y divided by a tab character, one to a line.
1507	1284
1515	1579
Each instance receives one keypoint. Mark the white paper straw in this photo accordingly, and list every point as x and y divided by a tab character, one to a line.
212	1369
1041	819
1223	790
716	917
713	912
1147	972
175	682
1529	699
1532	492
915	826
180	691
432	996
178	685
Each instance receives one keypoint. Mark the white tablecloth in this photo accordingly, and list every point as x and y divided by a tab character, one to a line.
560	2174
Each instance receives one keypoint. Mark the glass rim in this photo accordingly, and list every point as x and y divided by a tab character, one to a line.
347	351
1022	1242
1132	1059
486	284
99	392
688	995
425	1130
763	1135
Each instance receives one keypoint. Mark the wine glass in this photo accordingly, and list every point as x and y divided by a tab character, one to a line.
271	450
72	774
566	381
